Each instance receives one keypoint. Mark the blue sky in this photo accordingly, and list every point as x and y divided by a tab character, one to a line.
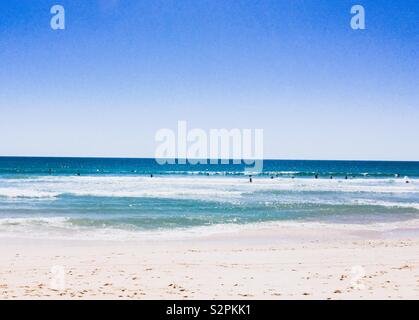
123	69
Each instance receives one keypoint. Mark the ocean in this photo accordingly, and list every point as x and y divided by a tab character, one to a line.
95	198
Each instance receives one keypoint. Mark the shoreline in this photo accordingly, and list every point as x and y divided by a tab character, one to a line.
272	263
274	230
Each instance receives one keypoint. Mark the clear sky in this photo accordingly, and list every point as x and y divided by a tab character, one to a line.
122	69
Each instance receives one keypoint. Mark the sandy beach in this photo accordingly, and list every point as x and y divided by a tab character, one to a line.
209	150
273	262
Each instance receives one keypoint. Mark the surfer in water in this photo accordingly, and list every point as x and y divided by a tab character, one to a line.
250	179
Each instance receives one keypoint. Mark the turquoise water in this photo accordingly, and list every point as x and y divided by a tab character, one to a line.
55	196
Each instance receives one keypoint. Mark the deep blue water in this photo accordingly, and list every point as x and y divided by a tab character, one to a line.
116	166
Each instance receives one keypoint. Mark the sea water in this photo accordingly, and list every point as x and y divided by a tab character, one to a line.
108	198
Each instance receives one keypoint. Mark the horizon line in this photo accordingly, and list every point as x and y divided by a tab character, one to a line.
208	159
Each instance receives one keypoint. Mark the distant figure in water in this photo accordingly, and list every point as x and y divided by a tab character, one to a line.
397	175
49	170
78	173
407	179
272	177
207	174
151	175
316	176
250	179
331	177
346	177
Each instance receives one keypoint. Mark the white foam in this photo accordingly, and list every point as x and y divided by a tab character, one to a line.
59	228
211	188
389	204
26	192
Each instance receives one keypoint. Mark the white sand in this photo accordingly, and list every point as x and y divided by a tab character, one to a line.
288	262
